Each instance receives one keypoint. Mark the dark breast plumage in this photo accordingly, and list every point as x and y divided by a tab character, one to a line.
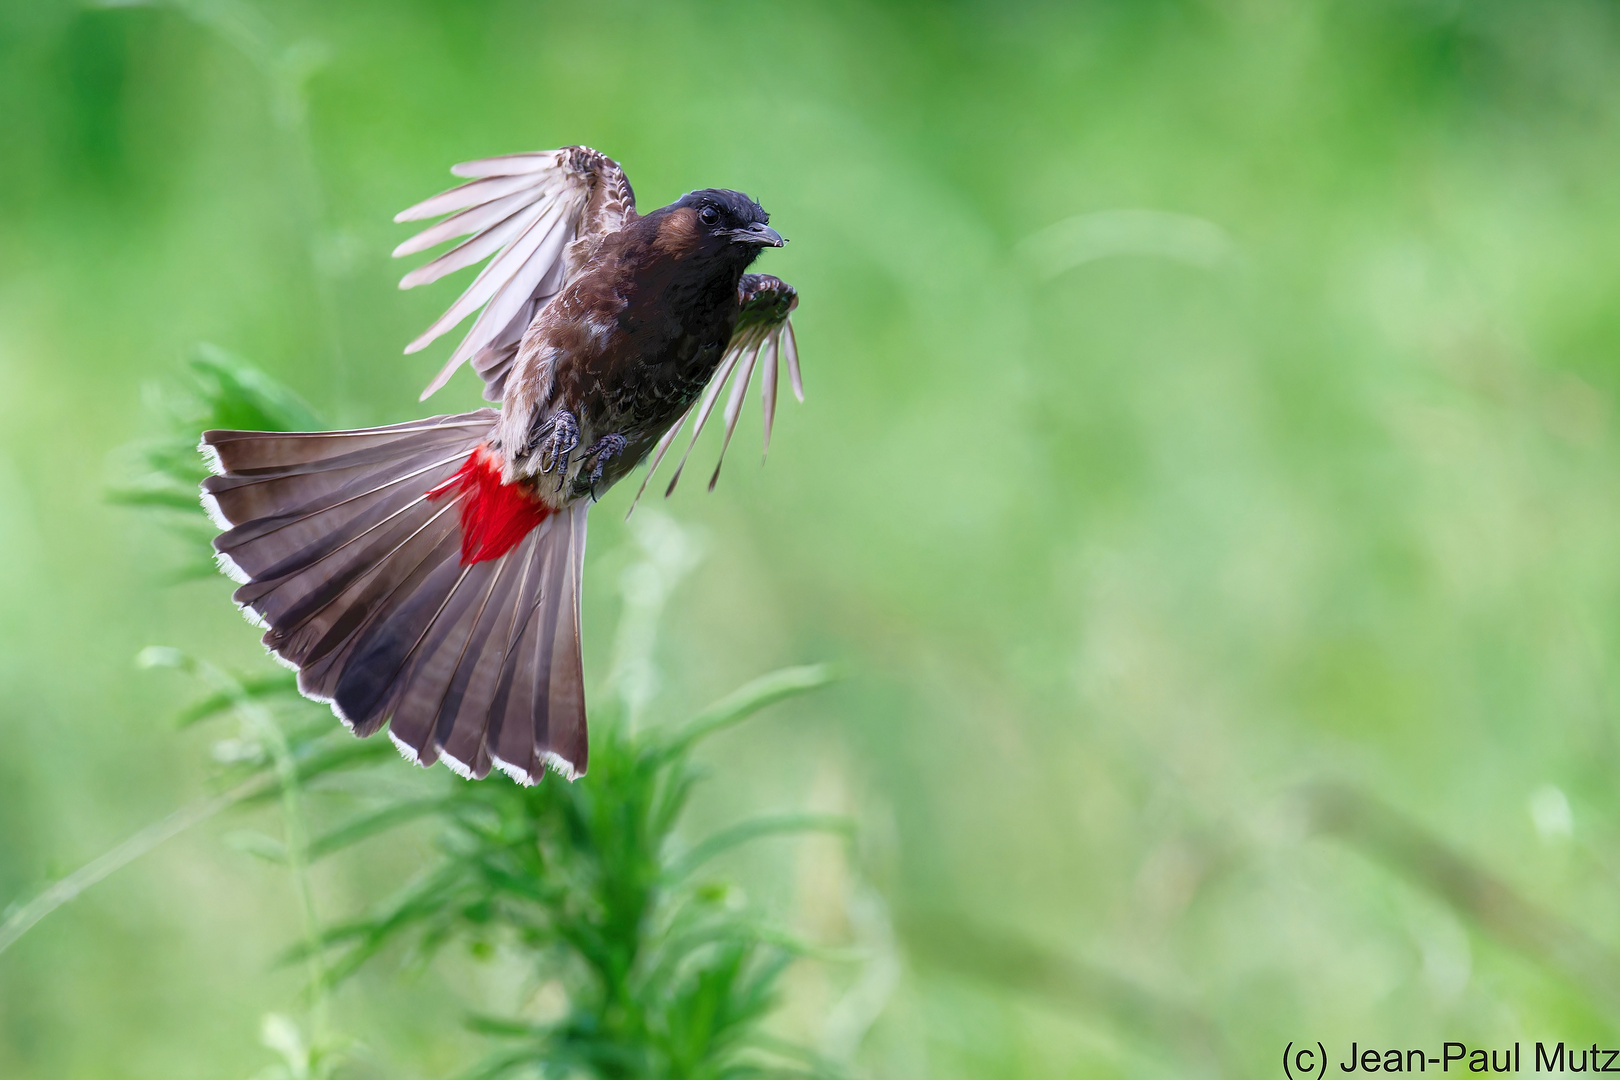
634	340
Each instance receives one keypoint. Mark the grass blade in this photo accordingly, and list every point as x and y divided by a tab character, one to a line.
755	829
745	702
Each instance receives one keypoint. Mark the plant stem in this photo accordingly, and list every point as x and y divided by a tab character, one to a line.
296	826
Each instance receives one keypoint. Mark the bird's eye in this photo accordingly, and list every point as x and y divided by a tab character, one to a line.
708	215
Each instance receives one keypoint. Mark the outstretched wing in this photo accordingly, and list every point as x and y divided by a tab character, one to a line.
523	212
763	332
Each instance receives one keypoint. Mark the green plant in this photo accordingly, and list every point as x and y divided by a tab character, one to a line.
666	974
221	391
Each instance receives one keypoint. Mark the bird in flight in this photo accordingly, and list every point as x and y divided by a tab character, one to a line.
426	575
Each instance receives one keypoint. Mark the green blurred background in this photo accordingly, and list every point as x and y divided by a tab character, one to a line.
1207	400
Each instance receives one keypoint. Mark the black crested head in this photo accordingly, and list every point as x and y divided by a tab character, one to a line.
732	220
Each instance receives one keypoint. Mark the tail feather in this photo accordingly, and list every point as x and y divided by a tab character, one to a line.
409	661
334	531
313	607
359	576
244	453
565	686
337	495
539	690
542	685
381	669
509	746
477	668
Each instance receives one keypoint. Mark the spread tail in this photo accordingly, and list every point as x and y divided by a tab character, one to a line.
410	588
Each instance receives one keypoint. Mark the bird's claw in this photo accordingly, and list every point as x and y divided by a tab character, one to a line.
557	444
603	451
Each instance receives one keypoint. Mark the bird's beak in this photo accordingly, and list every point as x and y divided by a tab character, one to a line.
763	235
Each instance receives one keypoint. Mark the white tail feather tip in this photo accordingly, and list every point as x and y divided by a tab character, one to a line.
406	750
210	505
228	567
520	776
456	765
562	766
254	618
210	457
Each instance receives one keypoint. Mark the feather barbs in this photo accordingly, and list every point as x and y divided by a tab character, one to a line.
763	338
521	212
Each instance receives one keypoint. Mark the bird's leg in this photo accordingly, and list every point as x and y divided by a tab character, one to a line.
555	441
603	451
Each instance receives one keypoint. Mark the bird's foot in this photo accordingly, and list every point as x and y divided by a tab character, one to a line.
555	443
603	451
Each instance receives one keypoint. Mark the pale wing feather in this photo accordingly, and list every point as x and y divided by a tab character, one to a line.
734	404
491	325
497	276
767	393
521	212
482	245
658	455
478	219
713	391
508	164
791	347
474	194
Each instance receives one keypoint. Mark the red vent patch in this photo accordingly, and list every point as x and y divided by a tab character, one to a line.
494	515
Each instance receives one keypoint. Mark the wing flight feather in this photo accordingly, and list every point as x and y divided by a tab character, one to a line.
763	333
521	212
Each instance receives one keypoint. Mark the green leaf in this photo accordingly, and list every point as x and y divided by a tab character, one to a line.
510	1029
163	497
349	753
500	1064
754	829
263	686
798	947
357	829
242	396
745	702
335	757
259	845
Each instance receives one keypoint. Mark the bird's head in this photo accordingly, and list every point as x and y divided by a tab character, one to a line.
730	220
